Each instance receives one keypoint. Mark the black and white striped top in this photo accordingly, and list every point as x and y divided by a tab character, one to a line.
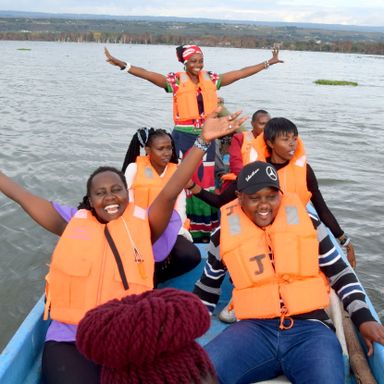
340	275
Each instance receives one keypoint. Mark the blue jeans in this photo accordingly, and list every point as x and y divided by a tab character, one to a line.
256	350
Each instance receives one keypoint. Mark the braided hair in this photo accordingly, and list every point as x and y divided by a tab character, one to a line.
84	204
144	138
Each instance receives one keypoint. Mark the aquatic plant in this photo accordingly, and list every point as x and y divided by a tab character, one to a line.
335	82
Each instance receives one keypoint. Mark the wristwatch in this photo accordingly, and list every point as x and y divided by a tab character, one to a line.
345	242
201	144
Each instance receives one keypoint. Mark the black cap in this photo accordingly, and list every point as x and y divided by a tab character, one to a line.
257	175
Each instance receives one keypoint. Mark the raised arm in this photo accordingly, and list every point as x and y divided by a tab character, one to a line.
154	77
232	76
161	209
38	209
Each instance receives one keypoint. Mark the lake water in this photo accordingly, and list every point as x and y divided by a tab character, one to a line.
64	111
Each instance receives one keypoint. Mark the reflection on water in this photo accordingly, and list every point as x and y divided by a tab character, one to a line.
64	111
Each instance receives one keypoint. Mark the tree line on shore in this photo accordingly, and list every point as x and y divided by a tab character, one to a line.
223	41
205	34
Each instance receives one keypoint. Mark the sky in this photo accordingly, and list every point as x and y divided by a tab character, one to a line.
347	12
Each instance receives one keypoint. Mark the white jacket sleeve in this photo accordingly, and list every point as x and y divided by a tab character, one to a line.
130	174
181	208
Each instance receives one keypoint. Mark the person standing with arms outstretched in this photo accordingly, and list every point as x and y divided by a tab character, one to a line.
194	97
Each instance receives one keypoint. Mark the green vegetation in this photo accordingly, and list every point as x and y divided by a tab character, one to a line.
23	49
220	34
335	82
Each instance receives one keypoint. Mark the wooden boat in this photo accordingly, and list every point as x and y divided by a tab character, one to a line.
20	361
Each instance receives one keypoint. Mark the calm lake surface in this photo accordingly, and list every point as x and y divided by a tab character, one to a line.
64	111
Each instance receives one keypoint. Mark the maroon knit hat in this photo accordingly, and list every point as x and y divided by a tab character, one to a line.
148	338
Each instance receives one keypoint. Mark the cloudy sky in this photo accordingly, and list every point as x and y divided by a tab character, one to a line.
352	12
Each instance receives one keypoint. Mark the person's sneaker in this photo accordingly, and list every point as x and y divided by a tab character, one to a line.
227	316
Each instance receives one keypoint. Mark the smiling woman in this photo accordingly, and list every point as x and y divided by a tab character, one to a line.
106	250
146	176
106	186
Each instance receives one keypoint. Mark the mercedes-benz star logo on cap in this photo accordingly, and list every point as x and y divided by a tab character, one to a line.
271	173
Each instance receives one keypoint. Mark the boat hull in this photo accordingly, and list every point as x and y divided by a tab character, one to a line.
20	361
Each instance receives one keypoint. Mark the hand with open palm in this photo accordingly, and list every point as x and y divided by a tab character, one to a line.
215	127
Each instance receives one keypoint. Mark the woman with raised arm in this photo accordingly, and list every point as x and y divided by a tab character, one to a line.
194	98
106	250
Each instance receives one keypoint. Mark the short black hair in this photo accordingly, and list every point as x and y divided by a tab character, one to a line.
259	112
84	204
179	53
278	126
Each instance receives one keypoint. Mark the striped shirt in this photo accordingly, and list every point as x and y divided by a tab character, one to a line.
340	275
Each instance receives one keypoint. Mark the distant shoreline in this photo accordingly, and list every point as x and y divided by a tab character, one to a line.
229	35
179	19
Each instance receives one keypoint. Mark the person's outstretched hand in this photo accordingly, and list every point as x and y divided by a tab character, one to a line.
113	60
275	57
215	127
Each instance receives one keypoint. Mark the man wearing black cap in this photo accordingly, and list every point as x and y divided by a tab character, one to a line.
281	262
260	178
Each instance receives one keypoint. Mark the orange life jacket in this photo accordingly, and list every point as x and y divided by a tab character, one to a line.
292	177
185	102
248	149
83	272
248	153
148	184
292	283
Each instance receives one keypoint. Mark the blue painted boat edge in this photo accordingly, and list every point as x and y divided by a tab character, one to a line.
26	342
376	361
